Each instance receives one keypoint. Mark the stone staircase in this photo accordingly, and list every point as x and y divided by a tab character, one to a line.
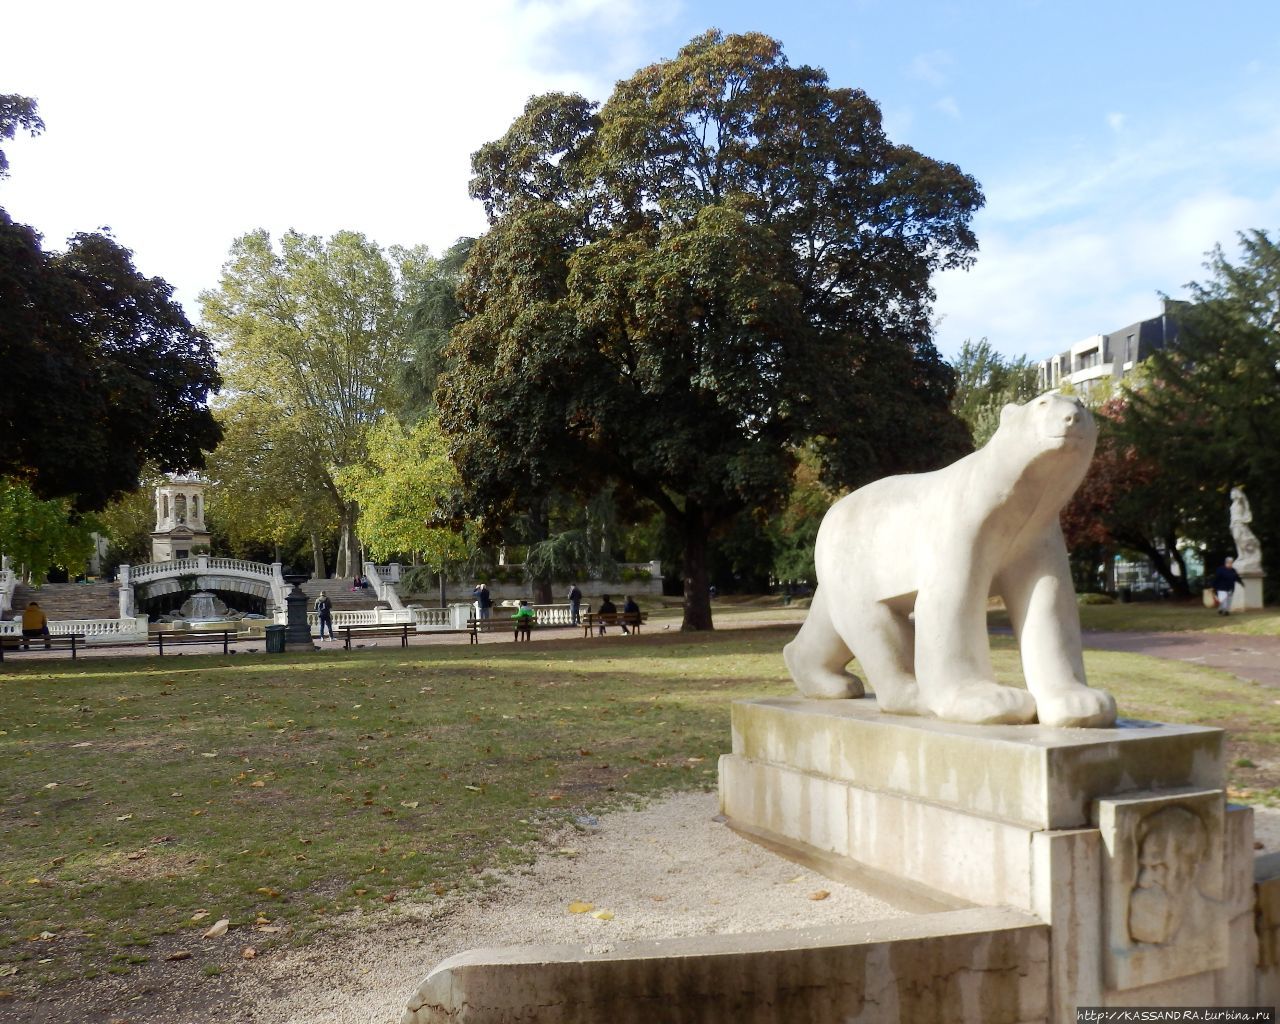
100	600
340	595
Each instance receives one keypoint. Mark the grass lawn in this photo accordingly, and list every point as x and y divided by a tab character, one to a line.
142	800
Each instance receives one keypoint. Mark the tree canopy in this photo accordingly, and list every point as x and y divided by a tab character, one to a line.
986	382
1208	414
313	341
103	371
728	258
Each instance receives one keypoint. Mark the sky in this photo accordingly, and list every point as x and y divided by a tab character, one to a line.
1116	141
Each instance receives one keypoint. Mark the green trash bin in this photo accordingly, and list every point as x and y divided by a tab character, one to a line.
275	639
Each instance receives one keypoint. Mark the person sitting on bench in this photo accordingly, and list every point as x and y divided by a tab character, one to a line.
34	624
524	617
630	607
607	607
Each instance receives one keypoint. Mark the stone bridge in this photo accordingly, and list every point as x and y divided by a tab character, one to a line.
234	575
204	572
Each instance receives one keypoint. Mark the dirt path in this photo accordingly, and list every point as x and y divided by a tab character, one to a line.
1256	658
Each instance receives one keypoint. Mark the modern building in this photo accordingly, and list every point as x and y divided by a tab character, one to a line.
1109	356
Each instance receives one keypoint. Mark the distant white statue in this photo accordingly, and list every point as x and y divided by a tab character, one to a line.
1248	551
937	545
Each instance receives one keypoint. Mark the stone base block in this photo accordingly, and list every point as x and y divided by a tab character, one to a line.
980	966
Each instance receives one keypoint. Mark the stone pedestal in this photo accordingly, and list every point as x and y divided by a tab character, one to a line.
1120	839
1248	594
298	637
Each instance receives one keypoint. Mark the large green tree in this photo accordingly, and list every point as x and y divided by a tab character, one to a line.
313	340
725	259
1209	412
986	381
102	371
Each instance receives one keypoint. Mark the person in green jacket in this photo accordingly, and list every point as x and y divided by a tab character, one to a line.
524	618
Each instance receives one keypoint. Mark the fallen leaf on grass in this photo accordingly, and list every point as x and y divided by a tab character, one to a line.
51	785
248	953
258	784
567	851
578	907
821	894
8	970
199	915
218	929
411	804
602	915
270	929
124	817
136	855
270	893
179	954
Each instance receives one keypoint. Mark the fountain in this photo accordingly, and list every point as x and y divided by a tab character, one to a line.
203	610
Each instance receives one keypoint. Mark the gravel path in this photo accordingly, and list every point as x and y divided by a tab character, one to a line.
668	869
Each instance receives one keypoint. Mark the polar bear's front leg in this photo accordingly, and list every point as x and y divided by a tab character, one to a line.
817	657
1041	600
953	659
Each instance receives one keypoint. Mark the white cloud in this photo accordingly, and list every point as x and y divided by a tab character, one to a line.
949	106
931	67
1115	121
1038	292
182	128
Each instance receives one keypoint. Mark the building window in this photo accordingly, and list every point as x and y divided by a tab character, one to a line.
180	507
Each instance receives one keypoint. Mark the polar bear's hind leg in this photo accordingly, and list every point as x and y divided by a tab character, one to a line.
817	657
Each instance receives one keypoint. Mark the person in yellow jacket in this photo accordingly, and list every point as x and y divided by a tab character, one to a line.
34	624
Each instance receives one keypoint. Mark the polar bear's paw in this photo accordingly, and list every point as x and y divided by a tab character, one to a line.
900	699
817	680
1077	707
983	703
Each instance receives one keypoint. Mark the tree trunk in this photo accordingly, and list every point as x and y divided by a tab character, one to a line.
318	570
1178	584
542	592
443	601
348	547
697	593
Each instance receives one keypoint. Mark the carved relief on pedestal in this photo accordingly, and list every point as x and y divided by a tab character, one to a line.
1163	911
1165	896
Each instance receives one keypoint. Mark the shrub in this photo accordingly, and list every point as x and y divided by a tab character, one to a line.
1096	599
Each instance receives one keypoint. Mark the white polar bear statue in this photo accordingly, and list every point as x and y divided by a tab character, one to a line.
938	544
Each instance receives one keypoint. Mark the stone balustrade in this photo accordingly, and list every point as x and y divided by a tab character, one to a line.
96	631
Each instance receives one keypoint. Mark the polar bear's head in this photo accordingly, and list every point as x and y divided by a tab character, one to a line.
1051	423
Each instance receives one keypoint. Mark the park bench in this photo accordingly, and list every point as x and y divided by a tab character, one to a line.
183	638
18	644
402	630
592	621
502	624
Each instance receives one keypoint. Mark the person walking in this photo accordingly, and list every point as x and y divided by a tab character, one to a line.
1225	579
324	614
35	624
575	605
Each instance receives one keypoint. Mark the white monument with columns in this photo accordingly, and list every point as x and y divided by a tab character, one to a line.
180	525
